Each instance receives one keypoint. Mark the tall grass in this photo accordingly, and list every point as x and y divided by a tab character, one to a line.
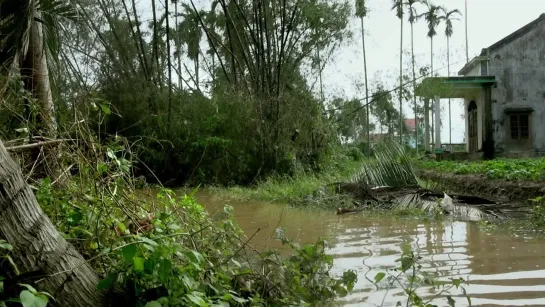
293	189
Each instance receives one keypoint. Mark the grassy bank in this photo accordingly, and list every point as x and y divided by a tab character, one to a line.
509	169
293	189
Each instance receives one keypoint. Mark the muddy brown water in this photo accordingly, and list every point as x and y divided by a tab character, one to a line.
501	269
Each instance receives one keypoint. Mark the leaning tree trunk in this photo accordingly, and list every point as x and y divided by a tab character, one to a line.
36	68
38	246
367	107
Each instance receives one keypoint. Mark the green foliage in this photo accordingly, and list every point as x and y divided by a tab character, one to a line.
413	280
350	118
537	215
28	296
297	189
510	169
177	256
392	167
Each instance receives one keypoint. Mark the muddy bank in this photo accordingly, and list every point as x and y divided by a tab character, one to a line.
479	185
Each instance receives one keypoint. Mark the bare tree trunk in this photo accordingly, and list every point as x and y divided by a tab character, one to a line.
414	90
156	44
432	74
426	125
35	66
449	107
467	45
366	89
169	67
38	246
401	81
178	44
197	67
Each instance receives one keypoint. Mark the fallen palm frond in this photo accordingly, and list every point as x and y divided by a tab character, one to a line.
392	167
390	183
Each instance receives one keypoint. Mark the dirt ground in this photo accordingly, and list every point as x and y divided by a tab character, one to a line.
480	185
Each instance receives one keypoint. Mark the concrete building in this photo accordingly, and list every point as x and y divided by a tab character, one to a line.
504	94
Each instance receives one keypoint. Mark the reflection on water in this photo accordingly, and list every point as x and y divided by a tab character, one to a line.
502	270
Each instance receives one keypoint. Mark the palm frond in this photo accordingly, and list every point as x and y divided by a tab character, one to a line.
392	167
16	19
54	16
361	8
398	6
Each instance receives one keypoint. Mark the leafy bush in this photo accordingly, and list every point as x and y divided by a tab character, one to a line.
165	250
510	169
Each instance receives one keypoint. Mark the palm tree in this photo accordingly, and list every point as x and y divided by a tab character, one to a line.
29	46
361	12
449	17
467	46
177	42
398	6
432	17
192	34
30	42
412	19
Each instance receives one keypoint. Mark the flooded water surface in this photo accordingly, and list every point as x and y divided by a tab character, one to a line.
501	270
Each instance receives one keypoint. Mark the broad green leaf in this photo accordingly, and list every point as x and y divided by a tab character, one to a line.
5	245
149	265
406	263
341	291
129	252
106	282
153	304
194	256
28	299
197	300
165	269
138	263
456	282
379	277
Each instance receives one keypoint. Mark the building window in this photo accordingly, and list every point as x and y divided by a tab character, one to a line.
519	126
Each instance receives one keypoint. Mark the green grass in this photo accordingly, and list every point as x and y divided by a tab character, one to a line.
294	189
510	169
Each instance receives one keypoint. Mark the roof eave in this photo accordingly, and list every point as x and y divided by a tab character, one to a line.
471	64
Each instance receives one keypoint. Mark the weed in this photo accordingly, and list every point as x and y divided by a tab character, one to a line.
410	278
510	169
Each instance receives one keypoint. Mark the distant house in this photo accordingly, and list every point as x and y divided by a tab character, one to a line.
504	94
410	124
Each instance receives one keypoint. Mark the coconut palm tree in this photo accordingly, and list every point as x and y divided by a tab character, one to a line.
467	46
412	19
449	16
30	43
192	35
361	12
433	19
398	7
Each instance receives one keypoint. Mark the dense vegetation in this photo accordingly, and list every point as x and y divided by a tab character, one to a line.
510	169
96	93
219	93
